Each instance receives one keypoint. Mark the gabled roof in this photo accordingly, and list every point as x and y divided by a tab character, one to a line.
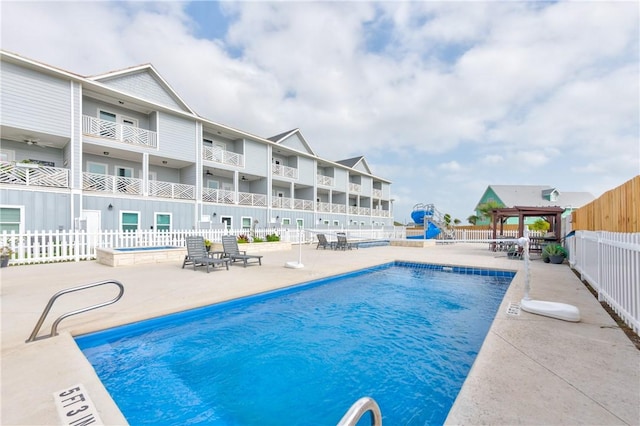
143	81
538	196
293	139
356	163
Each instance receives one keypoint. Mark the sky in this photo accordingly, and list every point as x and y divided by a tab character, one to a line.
441	98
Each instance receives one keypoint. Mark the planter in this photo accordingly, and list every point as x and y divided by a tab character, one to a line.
556	259
4	261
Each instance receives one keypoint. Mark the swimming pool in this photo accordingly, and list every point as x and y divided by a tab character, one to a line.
405	334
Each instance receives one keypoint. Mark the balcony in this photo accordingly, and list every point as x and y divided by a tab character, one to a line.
104	129
377	193
132	186
324	180
249	199
218	155
284	171
331	208
29	174
112	184
172	190
292	203
354	187
220	196
360	211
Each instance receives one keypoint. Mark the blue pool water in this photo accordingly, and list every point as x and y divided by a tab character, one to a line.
405	334
145	248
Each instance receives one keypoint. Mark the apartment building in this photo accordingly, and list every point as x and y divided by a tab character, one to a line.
123	151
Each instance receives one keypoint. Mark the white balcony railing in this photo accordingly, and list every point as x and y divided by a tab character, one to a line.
221	156
284	171
354	187
306	205
221	196
119	132
33	175
323	207
172	190
113	184
249	199
324	180
377	193
338	208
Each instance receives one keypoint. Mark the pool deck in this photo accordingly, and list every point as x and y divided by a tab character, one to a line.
530	370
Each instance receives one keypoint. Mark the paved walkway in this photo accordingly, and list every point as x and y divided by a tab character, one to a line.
531	369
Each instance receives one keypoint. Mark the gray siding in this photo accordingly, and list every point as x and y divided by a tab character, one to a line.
177	137
307	171
256	159
296	143
34	101
182	212
145	86
42	210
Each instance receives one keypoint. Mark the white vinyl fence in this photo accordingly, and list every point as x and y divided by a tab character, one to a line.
610	263
65	246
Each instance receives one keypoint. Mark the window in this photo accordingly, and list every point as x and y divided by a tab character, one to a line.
326	222
124	171
300	223
11	218
246	223
213	184
286	221
97	168
336	223
163	221
129	221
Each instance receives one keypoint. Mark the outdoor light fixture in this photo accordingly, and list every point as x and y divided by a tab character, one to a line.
105	152
110	207
215	214
164	161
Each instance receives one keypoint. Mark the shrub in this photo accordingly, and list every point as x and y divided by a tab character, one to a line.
554	250
243	238
257	240
273	237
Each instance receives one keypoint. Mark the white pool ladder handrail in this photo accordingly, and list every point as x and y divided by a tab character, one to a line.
54	327
360	407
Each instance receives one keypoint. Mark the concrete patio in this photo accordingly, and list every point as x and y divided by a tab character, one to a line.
530	370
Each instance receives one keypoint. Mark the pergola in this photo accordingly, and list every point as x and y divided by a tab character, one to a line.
553	215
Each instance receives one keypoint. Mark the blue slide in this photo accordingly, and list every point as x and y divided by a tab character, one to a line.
431	230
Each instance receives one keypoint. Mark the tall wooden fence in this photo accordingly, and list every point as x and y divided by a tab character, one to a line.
617	210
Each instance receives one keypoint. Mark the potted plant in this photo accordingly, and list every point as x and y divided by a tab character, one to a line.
555	253
5	254
207	244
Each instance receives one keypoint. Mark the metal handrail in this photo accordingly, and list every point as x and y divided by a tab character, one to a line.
360	407
54	327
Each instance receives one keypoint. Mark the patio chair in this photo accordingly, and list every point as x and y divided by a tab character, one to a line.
322	242
198	256
234	254
343	243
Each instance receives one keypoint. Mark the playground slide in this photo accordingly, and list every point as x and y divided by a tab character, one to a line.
431	230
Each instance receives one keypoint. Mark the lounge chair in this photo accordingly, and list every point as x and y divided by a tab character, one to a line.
198	256
343	243
234	254
322	242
